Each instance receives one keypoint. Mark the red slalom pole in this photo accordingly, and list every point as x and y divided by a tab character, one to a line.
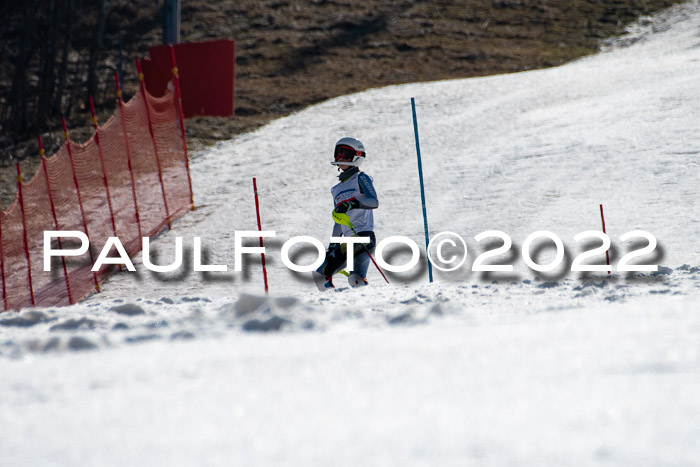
55	218
178	96
80	198
257	211
2	267
102	163
120	102
153	138
607	254
24	230
104	168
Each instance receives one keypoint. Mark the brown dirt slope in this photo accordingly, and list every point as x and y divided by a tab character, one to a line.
291	54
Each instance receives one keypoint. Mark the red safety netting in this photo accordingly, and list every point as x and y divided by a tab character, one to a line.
88	188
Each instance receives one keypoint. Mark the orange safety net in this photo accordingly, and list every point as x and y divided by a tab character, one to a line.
104	203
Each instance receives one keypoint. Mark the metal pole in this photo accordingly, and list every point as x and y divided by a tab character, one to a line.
422	190
171	22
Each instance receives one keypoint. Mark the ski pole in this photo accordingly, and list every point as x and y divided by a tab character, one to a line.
342	218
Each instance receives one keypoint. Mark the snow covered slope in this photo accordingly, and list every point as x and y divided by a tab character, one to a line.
517	153
476	368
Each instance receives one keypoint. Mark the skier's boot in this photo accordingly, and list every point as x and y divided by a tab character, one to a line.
356	280
322	281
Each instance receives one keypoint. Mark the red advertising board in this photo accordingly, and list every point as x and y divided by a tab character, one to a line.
207	75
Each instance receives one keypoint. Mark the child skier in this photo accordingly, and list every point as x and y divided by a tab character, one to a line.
354	195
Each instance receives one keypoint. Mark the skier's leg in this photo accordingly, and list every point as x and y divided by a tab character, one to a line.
335	261
361	264
358	276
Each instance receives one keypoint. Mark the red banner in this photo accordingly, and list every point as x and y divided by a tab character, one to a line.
207	75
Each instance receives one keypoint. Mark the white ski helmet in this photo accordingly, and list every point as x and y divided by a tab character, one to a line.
346	148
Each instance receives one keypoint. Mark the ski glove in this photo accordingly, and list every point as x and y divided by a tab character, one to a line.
345	206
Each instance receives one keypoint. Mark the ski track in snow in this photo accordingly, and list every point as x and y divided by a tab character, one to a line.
490	369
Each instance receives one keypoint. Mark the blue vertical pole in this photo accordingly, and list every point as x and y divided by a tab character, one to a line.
422	190
171	22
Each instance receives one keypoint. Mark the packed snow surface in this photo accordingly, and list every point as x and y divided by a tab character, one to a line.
476	368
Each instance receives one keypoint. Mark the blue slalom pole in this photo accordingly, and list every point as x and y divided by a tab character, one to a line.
422	189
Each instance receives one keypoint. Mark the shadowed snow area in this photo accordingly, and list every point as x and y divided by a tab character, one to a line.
483	368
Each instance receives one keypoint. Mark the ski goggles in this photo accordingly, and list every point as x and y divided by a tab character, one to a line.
346	153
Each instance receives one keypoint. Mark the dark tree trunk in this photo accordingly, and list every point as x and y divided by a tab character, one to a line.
47	72
63	71
4	26
18	99
95	50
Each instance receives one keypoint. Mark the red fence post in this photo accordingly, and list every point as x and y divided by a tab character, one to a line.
607	254
128	152
176	82
80	198
102	163
24	230
2	268
153	137
55	219
257	211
